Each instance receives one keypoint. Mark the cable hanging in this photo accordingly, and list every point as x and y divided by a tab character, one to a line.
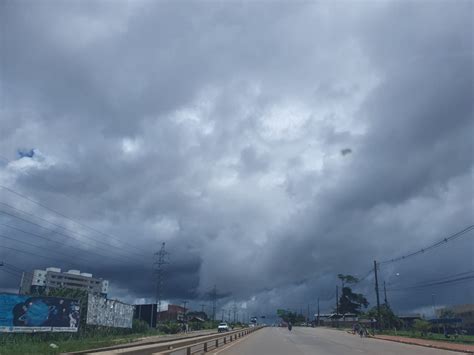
433	246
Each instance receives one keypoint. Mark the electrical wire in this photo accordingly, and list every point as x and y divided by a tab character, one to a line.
433	246
362	279
60	242
442	281
35	254
67	260
8	272
16	240
66	217
13	267
71	232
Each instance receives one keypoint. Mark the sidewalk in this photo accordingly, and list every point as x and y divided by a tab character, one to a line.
469	349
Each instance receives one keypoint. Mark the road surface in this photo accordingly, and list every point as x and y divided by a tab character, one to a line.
319	341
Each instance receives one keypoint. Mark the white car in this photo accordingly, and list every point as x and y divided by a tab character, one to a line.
223	327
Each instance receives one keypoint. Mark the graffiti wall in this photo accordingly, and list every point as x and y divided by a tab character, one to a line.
22	313
109	313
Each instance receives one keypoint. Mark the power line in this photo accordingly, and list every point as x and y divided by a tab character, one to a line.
10	269
366	275
58	242
9	272
13	267
16	240
37	246
433	246
66	235
30	253
460	279
66	217
442	281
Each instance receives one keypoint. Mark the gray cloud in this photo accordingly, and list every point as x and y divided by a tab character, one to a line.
219	128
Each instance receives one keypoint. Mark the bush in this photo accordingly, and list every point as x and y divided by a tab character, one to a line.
139	326
422	326
170	327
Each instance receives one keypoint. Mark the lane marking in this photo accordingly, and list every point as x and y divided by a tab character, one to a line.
233	343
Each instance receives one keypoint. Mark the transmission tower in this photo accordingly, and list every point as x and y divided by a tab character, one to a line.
234	309
158	270
214	299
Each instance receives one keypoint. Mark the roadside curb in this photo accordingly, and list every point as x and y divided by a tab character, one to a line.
427	345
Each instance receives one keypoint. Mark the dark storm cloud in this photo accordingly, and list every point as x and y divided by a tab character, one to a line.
219	129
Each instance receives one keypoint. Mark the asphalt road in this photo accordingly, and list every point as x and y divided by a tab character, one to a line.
319	341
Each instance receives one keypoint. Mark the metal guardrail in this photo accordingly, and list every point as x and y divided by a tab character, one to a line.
188	346
150	340
211	343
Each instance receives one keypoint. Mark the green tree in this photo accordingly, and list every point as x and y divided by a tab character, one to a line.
388	318
351	302
291	317
347	279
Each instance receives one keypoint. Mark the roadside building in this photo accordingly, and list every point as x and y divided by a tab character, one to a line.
464	312
197	314
40	281
408	320
173	313
146	313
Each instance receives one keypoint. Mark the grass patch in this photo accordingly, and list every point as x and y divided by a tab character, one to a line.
30	344
461	339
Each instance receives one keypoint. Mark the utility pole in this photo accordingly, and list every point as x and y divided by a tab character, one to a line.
234	309
158	264
307	316
318	311
184	315
337	306
385	294
379	325
228	316
222	317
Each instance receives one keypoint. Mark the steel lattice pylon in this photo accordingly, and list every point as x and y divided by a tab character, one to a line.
158	271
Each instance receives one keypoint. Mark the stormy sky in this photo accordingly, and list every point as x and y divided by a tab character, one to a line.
272	145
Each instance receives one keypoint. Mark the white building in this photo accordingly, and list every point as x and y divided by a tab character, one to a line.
52	277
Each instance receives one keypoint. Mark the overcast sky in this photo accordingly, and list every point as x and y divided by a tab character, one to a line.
270	144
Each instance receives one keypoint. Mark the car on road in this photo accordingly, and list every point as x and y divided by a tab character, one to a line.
222	327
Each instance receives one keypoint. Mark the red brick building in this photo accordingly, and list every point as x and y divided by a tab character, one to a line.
174	313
